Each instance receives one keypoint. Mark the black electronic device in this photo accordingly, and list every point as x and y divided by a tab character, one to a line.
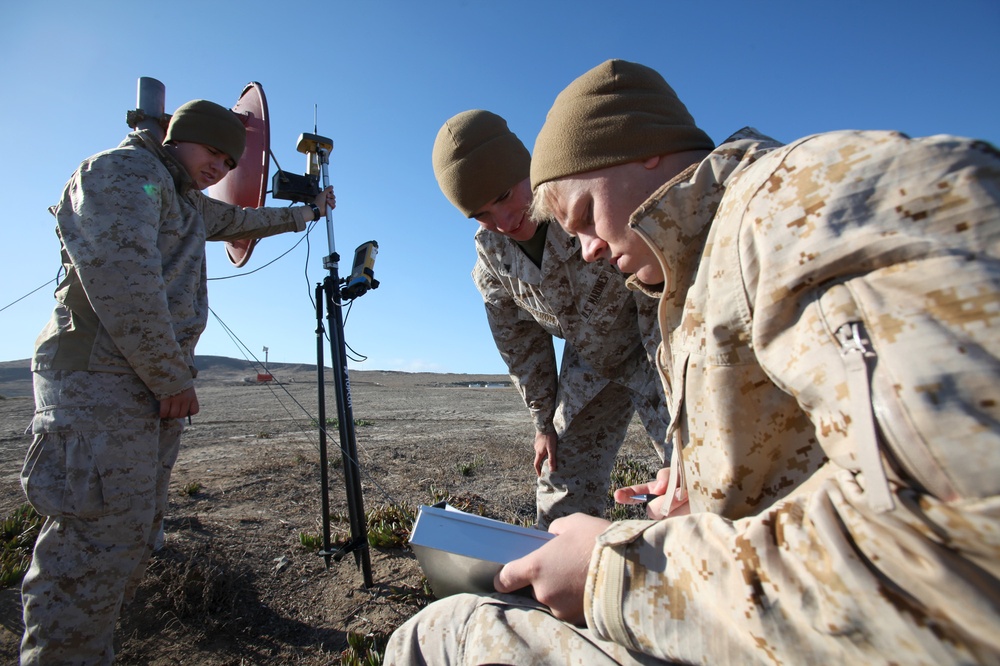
293	187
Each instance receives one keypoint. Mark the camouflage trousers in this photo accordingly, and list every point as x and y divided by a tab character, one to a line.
585	456
98	470
499	629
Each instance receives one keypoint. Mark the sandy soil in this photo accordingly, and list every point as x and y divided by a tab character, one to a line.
234	584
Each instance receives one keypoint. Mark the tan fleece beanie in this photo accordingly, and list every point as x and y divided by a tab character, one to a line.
618	112
201	121
477	158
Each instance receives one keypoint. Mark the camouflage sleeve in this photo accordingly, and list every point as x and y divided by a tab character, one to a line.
525	347
226	222
818	574
703	589
111	236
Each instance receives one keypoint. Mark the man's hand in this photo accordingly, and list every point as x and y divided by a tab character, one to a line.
180	405
325	199
545	447
557	572
659	507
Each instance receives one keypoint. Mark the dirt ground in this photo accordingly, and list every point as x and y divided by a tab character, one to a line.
234	584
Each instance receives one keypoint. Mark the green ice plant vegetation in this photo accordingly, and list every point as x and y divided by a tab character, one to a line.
468	468
191	489
18	532
628	472
389	525
364	649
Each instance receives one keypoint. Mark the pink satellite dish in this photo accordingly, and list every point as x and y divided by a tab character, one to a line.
246	185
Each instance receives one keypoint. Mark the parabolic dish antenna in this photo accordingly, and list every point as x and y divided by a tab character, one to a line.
246	185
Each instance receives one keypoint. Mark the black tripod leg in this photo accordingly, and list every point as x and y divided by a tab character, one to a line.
348	443
321	391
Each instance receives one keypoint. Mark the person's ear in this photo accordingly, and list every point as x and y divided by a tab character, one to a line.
652	162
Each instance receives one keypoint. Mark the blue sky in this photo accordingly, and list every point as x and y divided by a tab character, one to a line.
382	76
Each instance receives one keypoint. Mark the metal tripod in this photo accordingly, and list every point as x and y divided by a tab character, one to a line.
328	295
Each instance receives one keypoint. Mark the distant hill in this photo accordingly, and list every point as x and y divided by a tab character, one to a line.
21	369
13	371
15	376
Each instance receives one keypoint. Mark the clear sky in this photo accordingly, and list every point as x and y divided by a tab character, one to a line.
381	76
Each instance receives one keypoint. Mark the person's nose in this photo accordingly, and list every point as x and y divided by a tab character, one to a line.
592	247
213	172
219	166
507	221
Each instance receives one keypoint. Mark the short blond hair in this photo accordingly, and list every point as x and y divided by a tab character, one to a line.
542	204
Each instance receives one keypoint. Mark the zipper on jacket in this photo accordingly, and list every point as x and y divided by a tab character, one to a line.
859	356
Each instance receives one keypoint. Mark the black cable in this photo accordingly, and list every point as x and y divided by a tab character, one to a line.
260	268
256	362
55	279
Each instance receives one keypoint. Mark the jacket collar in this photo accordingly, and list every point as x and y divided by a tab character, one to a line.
675	220
143	139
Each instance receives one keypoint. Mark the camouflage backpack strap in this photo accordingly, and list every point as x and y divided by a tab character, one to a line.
677	485
873	401
859	355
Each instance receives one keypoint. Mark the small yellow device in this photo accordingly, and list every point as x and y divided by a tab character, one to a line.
363	274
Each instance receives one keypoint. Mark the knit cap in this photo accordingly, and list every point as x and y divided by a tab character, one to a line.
477	158
616	113
201	121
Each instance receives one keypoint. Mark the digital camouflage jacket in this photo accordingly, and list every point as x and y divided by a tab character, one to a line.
843	290
132	230
612	329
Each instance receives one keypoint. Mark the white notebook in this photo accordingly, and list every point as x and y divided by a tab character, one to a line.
462	552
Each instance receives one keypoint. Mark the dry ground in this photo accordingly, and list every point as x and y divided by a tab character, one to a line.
234	584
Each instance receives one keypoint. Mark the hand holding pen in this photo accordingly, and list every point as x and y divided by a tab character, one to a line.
652	495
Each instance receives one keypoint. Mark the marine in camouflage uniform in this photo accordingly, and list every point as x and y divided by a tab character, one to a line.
537	287
605	373
854	278
132	225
